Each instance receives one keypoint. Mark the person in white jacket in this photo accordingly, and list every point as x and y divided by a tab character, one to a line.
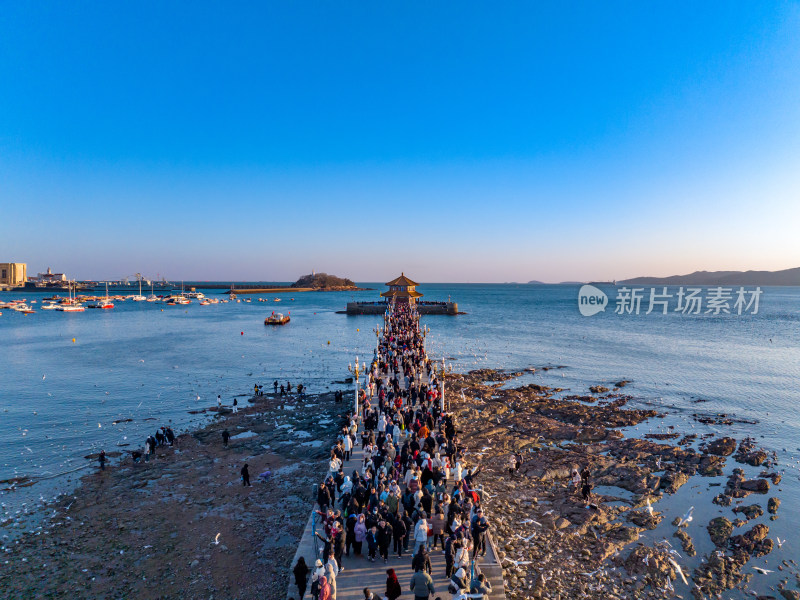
347	445
420	534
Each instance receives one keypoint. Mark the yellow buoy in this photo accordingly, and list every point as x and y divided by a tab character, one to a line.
73	341
329	342
358	330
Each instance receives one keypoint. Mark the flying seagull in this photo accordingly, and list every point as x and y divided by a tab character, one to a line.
679	571
687	518
216	539
762	571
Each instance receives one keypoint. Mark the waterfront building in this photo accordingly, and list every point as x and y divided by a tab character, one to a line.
401	290
13	274
50	277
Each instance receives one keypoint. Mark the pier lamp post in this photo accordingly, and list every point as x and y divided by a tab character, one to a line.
356	371
441	378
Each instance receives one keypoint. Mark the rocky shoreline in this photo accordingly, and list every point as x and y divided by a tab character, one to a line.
552	545
149	530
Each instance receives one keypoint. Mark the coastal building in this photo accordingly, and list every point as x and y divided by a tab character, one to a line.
50	277
13	274
402	290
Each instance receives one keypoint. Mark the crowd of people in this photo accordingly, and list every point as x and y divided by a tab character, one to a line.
413	492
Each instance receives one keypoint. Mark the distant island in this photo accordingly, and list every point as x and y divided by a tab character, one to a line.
314	282
323	281
724	278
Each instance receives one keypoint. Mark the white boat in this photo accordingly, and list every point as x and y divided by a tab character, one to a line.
70	305
139	298
103	302
22	308
152	297
198	295
50	306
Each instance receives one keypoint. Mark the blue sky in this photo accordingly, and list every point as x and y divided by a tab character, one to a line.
453	141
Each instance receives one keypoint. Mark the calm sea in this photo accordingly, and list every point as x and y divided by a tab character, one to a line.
152	364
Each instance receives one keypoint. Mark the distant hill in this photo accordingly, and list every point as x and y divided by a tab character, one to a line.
536	282
323	281
724	278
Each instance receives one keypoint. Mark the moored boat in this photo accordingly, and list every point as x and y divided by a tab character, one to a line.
276	319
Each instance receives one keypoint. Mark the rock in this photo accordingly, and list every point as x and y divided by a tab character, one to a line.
686	542
790	594
722	447
720	530
772	505
711	465
598	389
760	486
752	511
754	542
672	480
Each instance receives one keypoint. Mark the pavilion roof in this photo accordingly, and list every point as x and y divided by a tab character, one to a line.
402	280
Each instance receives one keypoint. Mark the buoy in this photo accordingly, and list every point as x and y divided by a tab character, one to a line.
243	333
73	341
358	330
329	342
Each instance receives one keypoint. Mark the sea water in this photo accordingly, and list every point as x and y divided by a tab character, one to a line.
143	365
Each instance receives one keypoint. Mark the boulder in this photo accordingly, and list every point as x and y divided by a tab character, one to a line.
760	486
772	505
720	530
722	447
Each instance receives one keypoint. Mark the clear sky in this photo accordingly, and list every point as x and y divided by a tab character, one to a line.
455	141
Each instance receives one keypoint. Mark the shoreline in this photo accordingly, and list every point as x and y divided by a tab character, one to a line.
147	530
133	524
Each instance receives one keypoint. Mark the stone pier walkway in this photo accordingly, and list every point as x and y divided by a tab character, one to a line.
360	573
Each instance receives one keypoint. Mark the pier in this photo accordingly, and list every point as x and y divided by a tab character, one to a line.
403	290
401	357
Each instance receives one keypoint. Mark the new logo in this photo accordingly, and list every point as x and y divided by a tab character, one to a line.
591	300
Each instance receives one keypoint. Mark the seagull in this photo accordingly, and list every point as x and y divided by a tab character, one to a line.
517	563
762	571
780	542
686	519
679	571
649	507
216	539
526	521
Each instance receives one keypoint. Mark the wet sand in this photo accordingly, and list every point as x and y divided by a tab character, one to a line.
148	530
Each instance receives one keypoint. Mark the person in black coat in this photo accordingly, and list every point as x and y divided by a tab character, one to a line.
399	532
301	576
323	498
384	539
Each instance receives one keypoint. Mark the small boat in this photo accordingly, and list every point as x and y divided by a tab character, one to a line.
276	319
197	295
70	304
276	299
139	297
51	306
103	302
70	308
23	308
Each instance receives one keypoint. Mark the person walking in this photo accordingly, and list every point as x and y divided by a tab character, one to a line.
420	533
393	589
235	406
219	401
225	437
422	586
301	576
275	386
102	459
246	476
